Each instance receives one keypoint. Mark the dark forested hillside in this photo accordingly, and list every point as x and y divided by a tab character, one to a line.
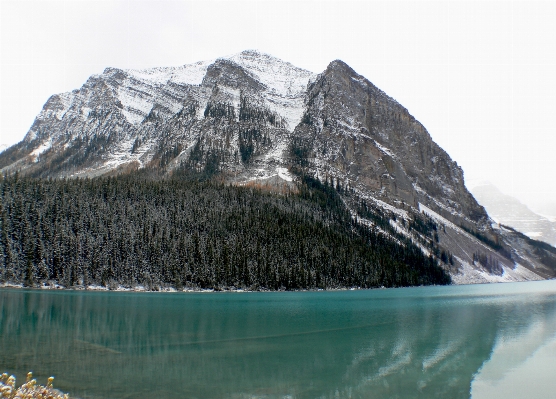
132	231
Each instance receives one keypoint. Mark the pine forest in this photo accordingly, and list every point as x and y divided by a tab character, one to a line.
132	230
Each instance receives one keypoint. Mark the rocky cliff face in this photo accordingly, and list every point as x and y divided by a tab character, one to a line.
359	135
252	118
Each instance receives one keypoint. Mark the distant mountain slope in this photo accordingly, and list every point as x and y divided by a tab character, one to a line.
507	210
546	209
252	119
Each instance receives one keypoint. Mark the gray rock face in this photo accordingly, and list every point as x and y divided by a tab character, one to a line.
357	134
254	119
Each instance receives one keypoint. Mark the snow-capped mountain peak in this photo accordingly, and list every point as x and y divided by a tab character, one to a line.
282	78
251	118
138	89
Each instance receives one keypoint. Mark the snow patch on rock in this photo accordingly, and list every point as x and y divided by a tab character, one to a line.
42	148
384	149
136	106
284	174
285	83
65	99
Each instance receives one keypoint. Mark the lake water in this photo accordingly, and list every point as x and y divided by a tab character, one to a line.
480	341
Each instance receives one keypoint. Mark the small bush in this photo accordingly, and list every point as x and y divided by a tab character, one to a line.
29	390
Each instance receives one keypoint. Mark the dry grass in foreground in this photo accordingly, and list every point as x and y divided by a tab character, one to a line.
29	390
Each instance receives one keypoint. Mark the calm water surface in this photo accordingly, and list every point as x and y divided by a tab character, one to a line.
482	341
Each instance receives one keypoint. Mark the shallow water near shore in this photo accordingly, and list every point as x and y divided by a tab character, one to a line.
480	341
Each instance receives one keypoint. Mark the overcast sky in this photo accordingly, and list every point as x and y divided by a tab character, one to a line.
479	75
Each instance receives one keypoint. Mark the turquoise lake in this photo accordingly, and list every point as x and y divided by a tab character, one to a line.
479	341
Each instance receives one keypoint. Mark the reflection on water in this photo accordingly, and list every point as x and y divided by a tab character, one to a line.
401	343
521	364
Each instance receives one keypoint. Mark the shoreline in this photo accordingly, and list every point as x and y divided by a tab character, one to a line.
120	288
139	288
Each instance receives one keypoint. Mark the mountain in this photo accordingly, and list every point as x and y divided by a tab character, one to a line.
252	119
507	210
3	147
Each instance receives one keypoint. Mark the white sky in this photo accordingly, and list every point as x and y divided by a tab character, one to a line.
479	75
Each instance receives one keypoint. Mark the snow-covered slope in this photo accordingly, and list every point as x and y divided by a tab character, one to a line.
121	112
